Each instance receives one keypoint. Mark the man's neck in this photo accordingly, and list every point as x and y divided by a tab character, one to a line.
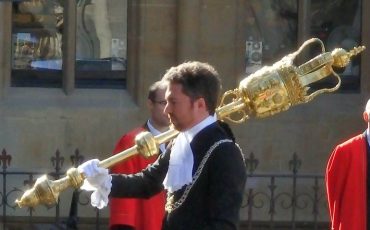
201	117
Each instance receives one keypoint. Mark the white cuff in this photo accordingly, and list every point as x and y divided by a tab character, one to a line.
97	180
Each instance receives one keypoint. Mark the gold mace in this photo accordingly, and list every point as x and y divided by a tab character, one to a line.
268	91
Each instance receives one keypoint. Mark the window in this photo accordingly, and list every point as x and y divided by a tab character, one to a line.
98	46
338	25
272	31
36	43
101	43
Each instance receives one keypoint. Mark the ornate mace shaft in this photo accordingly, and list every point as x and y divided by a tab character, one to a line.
268	91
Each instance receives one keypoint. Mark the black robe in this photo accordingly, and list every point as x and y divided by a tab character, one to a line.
215	198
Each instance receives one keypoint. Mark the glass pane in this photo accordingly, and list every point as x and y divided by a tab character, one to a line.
338	24
101	43
37	43
271	31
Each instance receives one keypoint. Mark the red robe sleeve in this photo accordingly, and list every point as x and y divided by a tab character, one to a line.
142	214
346	185
123	211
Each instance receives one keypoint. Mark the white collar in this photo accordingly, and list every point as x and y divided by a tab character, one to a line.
181	160
155	132
190	133
151	128
368	136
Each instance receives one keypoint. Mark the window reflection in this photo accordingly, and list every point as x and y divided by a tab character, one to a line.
271	31
37	37
101	39
338	24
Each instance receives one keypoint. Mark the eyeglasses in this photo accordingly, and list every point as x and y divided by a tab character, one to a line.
162	102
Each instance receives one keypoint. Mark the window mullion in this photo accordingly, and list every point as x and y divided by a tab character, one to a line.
365	40
69	46
304	8
5	50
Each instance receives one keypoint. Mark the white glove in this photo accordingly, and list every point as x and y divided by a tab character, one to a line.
97	180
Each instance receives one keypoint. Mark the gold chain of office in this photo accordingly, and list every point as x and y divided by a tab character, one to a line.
170	204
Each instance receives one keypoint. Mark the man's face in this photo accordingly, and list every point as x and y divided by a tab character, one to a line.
180	109
156	108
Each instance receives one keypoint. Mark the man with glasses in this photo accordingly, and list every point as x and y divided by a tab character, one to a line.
140	214
203	170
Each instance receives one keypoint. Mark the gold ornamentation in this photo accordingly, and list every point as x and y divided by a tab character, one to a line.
276	88
47	192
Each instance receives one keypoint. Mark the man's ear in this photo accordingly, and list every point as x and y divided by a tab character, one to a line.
366	116
149	103
201	103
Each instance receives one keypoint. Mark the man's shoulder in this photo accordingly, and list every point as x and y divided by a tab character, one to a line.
353	140
214	129
134	132
211	135
351	150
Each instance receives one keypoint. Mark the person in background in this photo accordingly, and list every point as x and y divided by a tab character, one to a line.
202	170
140	214
348	181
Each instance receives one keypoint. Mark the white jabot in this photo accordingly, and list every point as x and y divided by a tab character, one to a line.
155	132
182	160
368	136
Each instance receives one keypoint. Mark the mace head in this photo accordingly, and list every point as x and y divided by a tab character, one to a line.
40	193
28	199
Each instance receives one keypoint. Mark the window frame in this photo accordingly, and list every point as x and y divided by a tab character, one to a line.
304	33
134	30
66	78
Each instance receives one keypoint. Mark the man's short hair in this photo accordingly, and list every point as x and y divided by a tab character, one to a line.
198	80
152	92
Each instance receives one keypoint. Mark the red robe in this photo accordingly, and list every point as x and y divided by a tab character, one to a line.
143	214
346	185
